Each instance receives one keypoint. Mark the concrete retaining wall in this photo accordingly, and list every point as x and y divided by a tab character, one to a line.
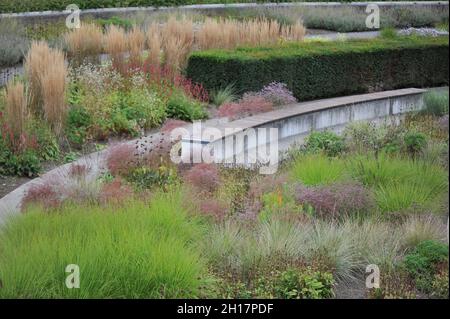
294	123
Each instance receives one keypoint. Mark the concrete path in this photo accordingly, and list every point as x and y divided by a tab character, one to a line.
95	162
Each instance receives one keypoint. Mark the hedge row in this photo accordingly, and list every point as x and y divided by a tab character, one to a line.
324	69
7	6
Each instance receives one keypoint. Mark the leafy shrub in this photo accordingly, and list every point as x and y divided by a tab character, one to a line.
180	107
326	69
325	141
107	242
146	177
306	284
280	204
47	144
78	123
365	136
336	200
26	163
415	142
436	103
395	284
422	263
440	285
293	283
144	107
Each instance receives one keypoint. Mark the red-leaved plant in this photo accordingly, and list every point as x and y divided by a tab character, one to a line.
214	208
44	195
249	105
115	192
204	177
336	200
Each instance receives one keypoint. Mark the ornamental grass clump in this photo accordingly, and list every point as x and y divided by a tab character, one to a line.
138	250
16	112
228	33
46	72
177	41
116	45
154	45
85	41
136	45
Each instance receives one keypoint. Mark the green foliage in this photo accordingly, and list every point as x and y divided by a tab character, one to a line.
292	283
183	108
26	163
146	178
317	169
440	285
388	33
415	142
307	284
399	183
365	137
117	21
144	107
325	141
117	112
324	69
71	157
132	251
48	146
78	122
436	103
423	261
279	202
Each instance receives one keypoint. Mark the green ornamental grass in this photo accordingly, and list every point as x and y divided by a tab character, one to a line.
133	251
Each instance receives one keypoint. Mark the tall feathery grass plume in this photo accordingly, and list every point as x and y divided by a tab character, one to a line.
46	72
116	45
136	45
16	112
154	44
84	42
177	41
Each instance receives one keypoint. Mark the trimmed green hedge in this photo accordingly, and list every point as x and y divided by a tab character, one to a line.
43	5
324	69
